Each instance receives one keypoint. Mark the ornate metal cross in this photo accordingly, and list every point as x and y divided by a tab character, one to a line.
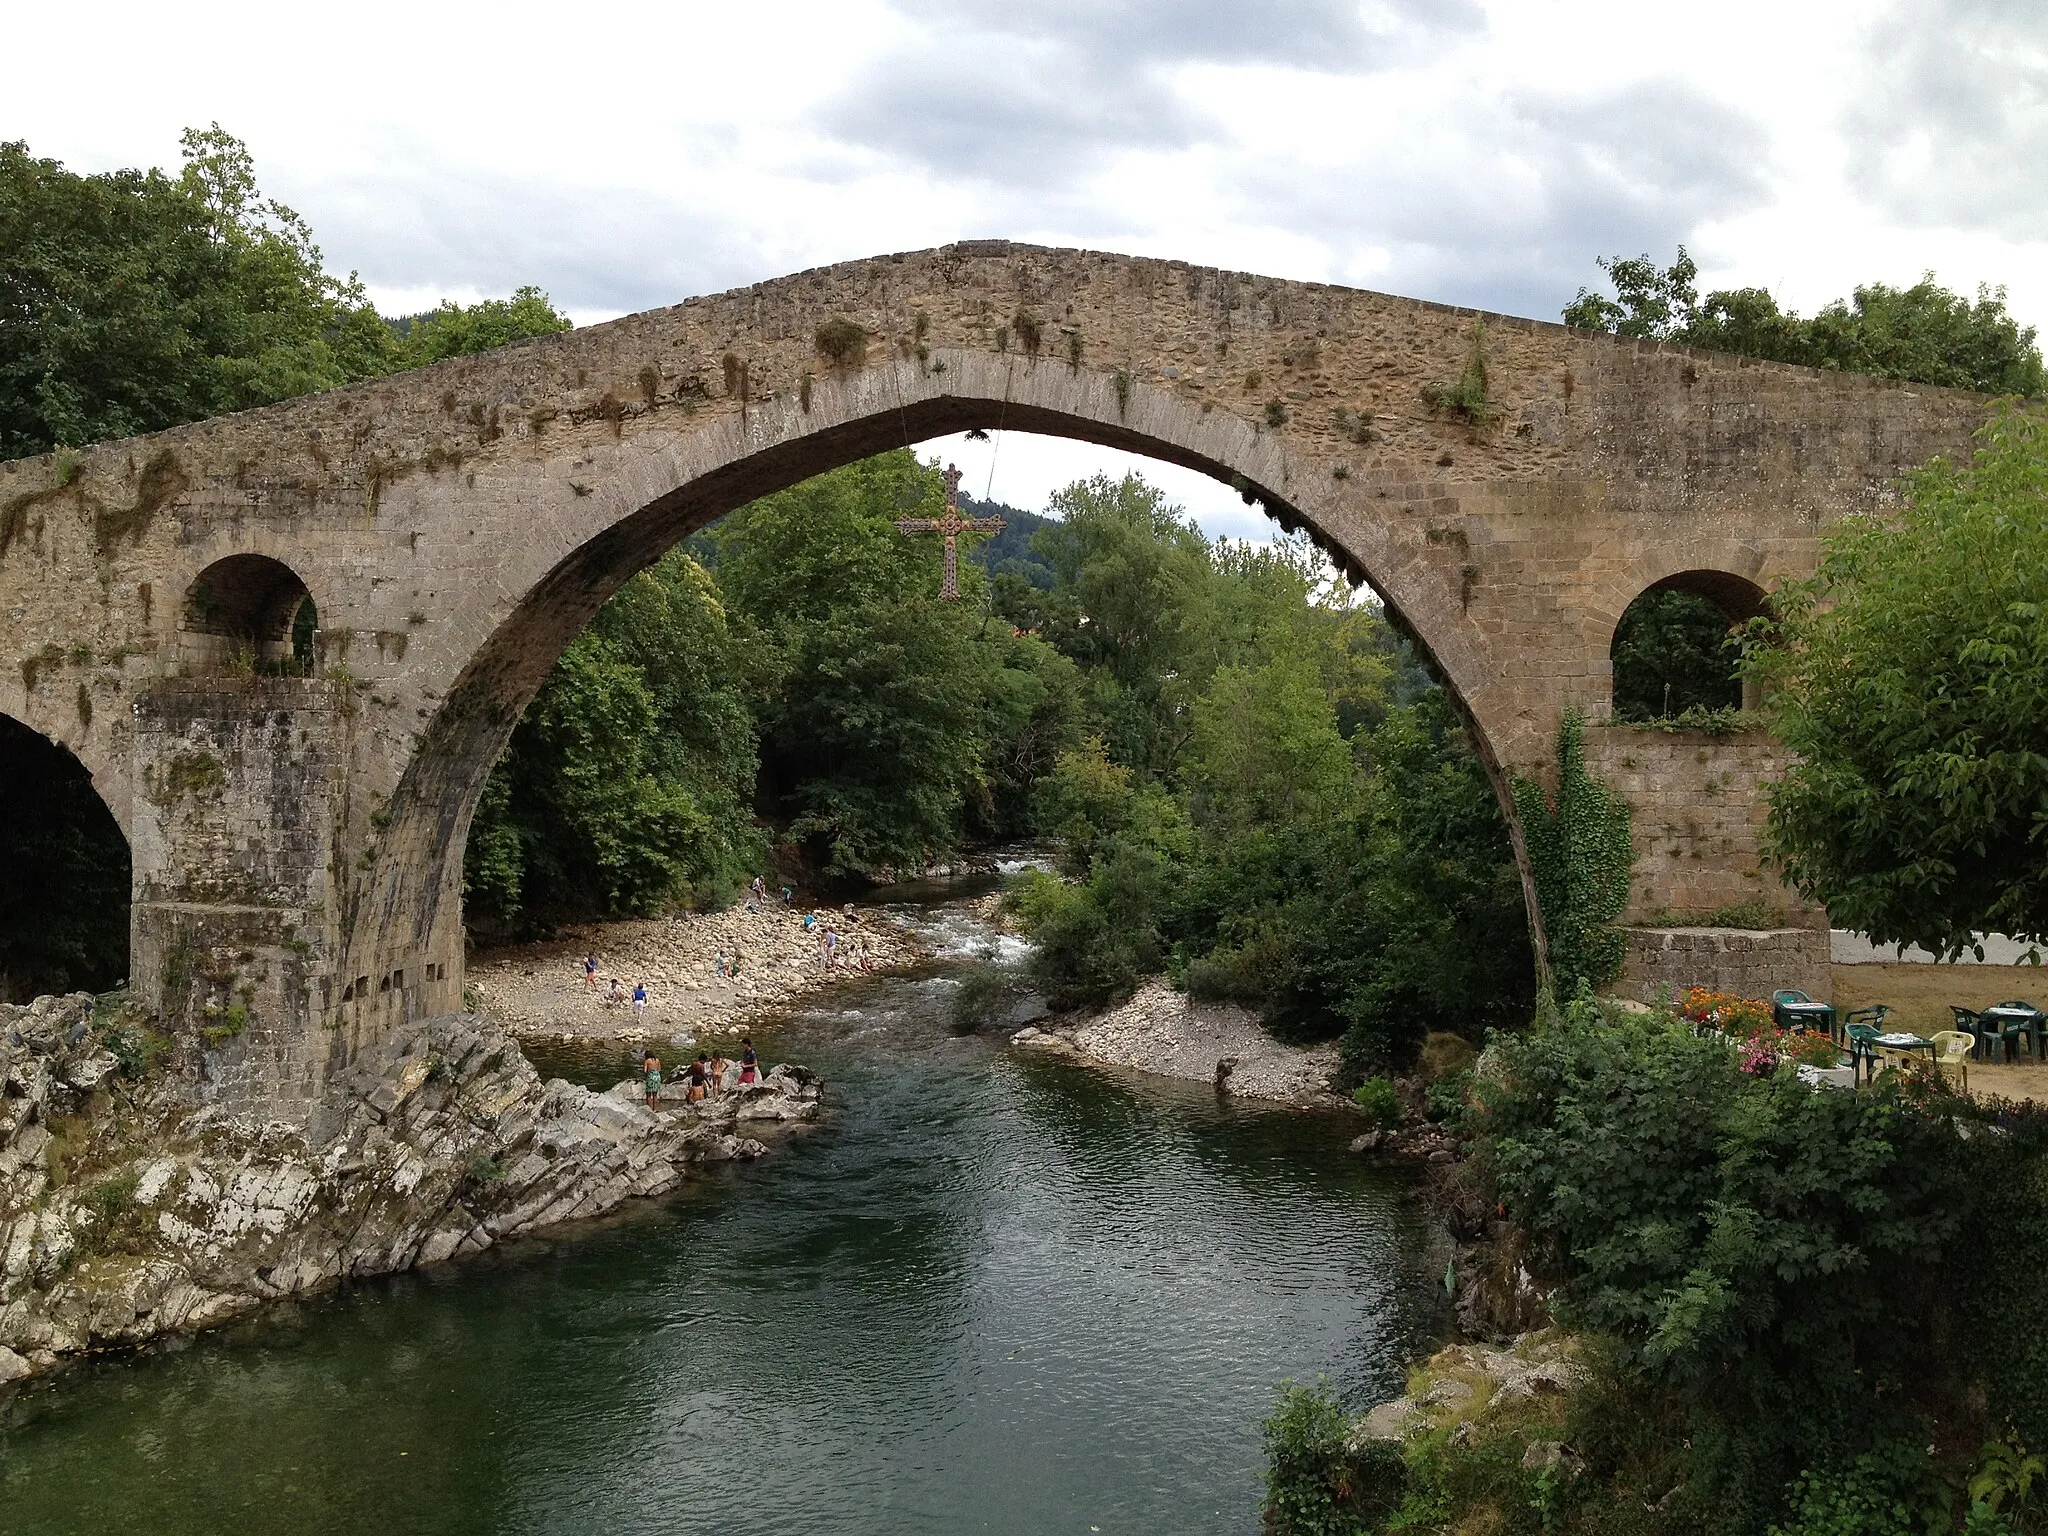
950	527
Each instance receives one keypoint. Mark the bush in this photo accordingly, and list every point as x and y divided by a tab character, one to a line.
983	988
1764	1255
1445	1055
1316	1484
1895	1492
1376	1096
1097	941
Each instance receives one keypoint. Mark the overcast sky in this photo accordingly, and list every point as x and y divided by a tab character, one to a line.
629	155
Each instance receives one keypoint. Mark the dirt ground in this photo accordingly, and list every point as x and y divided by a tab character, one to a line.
1920	995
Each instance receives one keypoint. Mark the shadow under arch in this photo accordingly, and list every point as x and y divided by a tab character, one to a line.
65	873
410	894
248	612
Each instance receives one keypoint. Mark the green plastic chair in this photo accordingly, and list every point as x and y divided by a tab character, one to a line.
1986	1033
2034	1030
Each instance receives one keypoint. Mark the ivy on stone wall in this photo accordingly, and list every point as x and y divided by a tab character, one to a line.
1583	855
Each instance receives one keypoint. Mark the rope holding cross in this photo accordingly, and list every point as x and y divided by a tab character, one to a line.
950	527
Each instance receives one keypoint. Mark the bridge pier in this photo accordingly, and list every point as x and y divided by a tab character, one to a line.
240	797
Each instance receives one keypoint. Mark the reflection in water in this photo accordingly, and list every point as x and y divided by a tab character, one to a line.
994	1294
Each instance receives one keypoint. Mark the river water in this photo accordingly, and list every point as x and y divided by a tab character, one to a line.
996	1292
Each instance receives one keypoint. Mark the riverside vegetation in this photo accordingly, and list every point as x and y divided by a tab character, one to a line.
1797	1312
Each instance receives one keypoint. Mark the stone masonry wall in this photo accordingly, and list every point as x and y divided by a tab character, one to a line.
239	788
1698	820
1751	963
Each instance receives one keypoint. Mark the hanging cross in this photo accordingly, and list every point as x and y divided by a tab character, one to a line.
951	526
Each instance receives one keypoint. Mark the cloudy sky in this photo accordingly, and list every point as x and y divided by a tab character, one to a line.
1479	153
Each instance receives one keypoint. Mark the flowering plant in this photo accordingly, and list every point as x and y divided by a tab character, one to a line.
1738	1016
1764	1050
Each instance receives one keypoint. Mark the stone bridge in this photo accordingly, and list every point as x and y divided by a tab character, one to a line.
297	840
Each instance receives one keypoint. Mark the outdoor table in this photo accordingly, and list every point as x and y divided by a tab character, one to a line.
1809	1015
2030	1019
1898	1040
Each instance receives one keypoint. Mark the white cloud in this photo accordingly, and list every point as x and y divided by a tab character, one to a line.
1473	151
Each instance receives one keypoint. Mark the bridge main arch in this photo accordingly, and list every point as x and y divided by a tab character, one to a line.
458	525
643	498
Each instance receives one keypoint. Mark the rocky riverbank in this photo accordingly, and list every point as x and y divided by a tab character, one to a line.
537	990
130	1208
1166	1032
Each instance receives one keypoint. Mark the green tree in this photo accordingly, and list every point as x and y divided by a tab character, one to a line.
1673	652
873	736
131	301
134	300
627	786
1910	684
1924	333
455	330
1650	303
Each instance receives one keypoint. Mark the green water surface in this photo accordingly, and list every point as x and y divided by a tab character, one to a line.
995	1293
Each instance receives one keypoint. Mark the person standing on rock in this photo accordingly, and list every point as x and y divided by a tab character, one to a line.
748	1061
828	949
699	1071
717	1071
760	890
650	1065
639	1000
590	971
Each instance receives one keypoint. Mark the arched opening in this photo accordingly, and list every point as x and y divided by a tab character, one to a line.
64	873
1677	650
486	707
248	615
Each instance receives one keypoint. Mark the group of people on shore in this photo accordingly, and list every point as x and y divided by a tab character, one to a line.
616	994
706	1075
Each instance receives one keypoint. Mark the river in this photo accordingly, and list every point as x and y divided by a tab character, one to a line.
996	1292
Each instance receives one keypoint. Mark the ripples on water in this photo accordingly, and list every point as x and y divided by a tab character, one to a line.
997	1293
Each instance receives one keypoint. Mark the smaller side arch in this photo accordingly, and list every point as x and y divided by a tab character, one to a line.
248	613
1671	647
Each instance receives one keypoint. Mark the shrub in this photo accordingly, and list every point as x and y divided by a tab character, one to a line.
840	341
1894	1492
1376	1096
1749	1246
982	990
1445	1055
1317	1484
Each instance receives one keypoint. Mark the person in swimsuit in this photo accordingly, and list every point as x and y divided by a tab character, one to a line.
717	1071
650	1064
748	1061
698	1090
